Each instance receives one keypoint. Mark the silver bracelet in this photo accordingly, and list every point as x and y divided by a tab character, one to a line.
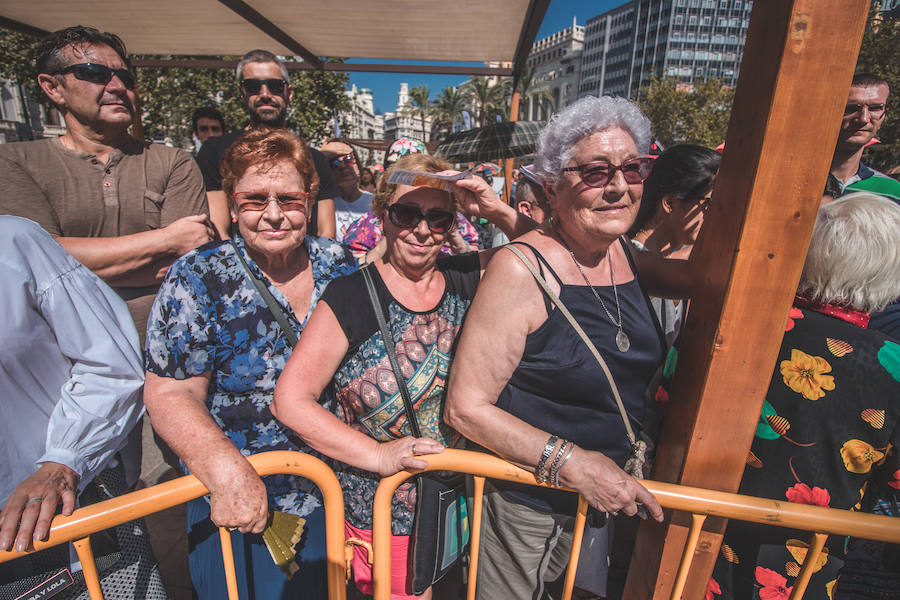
555	469
554	466
545	456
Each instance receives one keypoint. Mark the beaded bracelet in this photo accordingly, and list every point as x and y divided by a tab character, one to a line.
555	469
542	464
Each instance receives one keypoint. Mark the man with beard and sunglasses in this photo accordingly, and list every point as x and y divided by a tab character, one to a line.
124	208
265	89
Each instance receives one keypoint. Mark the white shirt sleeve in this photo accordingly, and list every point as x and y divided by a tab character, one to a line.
101	400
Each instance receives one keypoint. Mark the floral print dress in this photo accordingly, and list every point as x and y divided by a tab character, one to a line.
208	316
829	424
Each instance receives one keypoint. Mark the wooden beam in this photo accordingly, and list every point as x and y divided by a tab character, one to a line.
797	65
215	63
252	16
23	28
533	19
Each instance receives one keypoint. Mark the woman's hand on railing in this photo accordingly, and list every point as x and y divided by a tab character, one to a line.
397	455
605	486
241	502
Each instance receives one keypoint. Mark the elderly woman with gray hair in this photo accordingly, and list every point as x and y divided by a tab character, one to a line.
830	424
526	386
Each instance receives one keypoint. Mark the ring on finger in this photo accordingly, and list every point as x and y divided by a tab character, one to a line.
35	499
414	448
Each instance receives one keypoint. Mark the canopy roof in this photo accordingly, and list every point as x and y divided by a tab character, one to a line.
496	31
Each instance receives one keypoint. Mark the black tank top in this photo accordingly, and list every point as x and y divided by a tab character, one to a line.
559	387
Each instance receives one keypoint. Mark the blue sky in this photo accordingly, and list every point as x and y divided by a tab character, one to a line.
559	15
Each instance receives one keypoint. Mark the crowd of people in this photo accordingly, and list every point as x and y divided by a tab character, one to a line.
245	297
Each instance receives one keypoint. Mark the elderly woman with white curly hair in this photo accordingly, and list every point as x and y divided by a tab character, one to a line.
830	425
526	386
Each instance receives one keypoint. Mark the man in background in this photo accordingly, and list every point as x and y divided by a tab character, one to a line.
266	92
207	122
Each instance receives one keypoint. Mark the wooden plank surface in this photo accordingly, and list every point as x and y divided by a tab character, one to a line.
797	65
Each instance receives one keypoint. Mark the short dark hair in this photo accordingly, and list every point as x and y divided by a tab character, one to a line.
50	58
210	113
685	171
261	56
864	79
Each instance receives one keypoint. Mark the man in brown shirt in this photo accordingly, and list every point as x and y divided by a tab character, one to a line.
124	208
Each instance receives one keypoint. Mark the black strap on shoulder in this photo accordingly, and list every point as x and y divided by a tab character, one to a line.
391	353
549	306
274	307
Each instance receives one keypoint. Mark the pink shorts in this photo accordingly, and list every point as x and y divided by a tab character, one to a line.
362	570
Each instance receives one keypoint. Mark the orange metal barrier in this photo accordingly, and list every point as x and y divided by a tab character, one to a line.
699	502
103	515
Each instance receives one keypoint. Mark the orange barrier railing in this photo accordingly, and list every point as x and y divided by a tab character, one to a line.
103	515
699	502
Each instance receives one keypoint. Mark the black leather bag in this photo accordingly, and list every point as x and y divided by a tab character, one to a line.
441	526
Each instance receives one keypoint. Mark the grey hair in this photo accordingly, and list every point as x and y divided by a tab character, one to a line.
261	56
854	258
580	119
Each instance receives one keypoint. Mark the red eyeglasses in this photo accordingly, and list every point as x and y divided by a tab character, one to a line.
259	201
600	172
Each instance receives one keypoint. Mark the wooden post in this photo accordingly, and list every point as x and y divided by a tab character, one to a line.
796	71
508	163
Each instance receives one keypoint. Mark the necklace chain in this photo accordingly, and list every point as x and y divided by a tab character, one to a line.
612	276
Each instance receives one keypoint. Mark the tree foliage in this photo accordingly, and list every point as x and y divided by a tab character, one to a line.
419	106
448	108
169	97
880	55
533	90
489	98
699	116
18	53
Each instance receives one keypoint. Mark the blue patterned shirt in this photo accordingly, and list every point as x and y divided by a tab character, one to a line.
208	317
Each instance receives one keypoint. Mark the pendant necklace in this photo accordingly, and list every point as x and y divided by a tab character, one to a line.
622	341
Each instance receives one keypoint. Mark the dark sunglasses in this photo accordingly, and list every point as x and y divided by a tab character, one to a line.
254	86
259	201
600	172
409	216
341	161
99	74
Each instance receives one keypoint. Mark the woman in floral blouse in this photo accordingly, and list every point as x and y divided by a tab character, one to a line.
215	350
830	424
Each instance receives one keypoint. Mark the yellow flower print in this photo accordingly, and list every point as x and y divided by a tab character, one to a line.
858	456
805	374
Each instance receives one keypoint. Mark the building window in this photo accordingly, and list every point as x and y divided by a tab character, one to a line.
692	20
679	19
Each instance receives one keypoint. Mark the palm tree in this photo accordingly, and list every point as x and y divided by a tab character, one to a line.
448	107
419	105
488	98
531	90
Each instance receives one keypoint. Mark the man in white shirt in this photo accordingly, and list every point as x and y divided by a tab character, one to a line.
71	376
353	202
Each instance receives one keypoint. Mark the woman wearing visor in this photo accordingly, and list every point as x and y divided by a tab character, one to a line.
425	297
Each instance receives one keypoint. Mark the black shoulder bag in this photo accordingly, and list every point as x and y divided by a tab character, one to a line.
441	526
275	308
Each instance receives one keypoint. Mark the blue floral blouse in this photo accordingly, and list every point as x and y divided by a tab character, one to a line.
208	316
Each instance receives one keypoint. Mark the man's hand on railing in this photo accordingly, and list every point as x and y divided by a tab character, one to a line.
397	455
33	503
240	502
605	486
